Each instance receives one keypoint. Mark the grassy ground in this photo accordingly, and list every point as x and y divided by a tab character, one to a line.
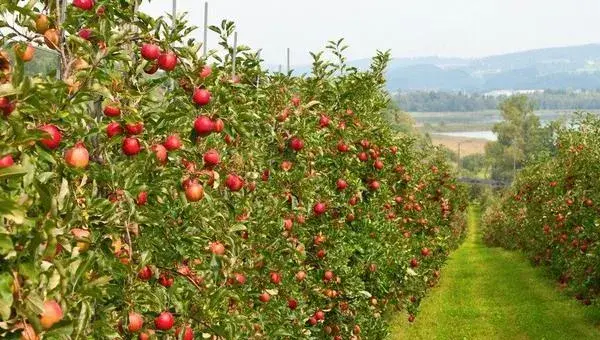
491	293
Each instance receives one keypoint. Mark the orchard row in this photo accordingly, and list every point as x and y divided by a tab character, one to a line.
153	194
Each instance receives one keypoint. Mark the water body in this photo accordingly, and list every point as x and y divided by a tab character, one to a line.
487	134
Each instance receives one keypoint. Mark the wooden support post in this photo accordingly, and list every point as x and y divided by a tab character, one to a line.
233	57
288	61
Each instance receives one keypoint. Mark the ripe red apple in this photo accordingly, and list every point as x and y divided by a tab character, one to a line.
112	110
319	208
7	106
85	33
240	278
319	315
172	142
150	51
292	303
363	157
77	156
234	182
131	146
378	164
394	149
321	253
328	276
300	276
425	252
219	125
6	161
217	248
287	224
188	334
204	126
296	101
134	128
145	273
275	278
342	147
51	314
264	297
161	153
414	263
53	140
374	185
312	321
211	158
296	144
84	4
194	192
167	61
144	336
113	129
411	318
324	121
341	184
165	280
142	198
135	322
206	71
201	96
164	321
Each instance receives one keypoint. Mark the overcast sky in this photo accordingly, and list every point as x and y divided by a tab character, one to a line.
461	28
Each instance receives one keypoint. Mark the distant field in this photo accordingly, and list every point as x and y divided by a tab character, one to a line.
468	146
475	121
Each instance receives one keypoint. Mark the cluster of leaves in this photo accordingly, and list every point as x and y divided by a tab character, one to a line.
551	211
273	247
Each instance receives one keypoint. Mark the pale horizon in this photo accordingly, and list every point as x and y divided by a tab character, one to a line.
429	28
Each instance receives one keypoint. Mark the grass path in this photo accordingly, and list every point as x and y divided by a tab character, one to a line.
491	293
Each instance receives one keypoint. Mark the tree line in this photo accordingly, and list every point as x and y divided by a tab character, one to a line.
433	101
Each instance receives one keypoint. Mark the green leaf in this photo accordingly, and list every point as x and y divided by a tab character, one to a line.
6	296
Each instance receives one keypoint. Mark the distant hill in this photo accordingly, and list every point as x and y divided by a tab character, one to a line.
571	67
574	67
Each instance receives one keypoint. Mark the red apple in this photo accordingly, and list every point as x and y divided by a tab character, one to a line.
219	125
51	314
374	185
275	278
112	110
319	208
342	147
324	121
204	126
234	182
134	128
300	276
264	297
6	161
188	334
201	96
77	156
164	321
84	4
150	51
211	158
296	144
53	140
378	164
167	61
135	322
296	101
206	71
142	198
292	303
217	248
131	146
85	33
145	273
172	142
341	184
161	153
113	129
194	191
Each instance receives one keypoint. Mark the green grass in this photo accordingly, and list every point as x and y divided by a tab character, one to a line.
491	293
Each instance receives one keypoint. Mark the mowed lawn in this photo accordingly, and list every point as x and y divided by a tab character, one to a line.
491	293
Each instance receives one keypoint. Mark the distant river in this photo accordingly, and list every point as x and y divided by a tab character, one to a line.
487	135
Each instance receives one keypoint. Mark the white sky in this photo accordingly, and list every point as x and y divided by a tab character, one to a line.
461	28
